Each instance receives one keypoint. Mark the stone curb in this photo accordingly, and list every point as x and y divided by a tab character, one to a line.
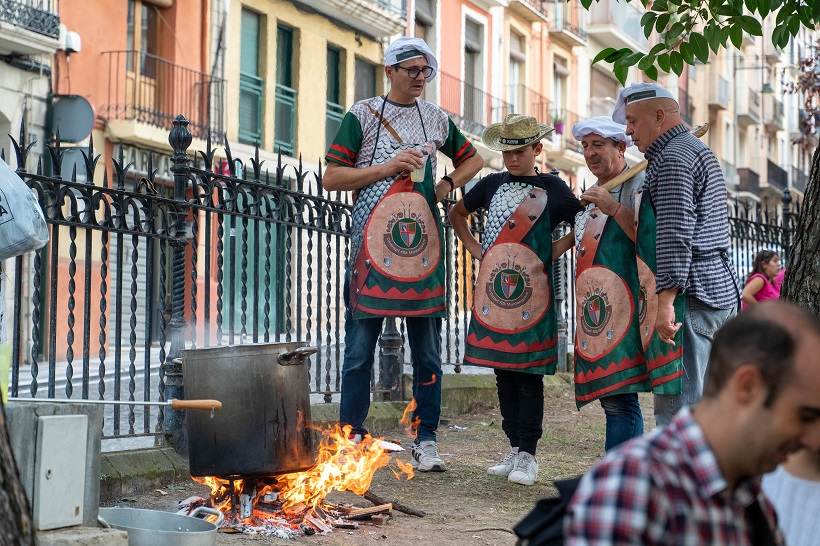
131	472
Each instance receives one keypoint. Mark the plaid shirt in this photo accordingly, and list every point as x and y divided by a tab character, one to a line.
663	488
686	184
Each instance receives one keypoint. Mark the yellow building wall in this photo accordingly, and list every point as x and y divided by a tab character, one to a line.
312	34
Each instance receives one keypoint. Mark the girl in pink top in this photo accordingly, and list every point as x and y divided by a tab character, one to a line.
759	285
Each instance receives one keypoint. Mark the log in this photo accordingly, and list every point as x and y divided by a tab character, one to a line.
376	499
363	513
698	131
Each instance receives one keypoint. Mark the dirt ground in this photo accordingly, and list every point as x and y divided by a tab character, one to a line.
464	505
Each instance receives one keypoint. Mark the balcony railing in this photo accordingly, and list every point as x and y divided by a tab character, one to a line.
777	175
800	180
719	93
563	129
748	180
284	125
620	21
773	113
601	106
748	109
152	90
471	108
34	15
566	26
685	105
728	173
524	100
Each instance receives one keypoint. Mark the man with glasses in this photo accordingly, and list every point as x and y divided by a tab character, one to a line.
397	248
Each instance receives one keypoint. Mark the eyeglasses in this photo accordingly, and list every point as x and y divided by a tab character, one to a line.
414	72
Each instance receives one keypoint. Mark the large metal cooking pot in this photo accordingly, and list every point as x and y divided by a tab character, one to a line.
262	429
151	527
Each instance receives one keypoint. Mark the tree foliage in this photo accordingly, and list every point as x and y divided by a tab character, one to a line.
689	29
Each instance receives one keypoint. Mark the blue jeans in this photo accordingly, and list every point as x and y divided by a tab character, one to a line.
361	336
623	418
700	322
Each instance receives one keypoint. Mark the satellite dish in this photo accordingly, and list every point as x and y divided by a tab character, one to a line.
73	116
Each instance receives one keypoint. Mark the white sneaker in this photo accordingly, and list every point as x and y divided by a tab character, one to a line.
506	465
425	457
525	471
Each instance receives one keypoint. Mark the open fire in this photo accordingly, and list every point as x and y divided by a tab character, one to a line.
289	505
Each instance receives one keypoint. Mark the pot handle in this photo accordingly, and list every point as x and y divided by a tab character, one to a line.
296	357
205	510
102	523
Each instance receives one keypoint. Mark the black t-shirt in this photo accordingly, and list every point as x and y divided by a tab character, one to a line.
562	203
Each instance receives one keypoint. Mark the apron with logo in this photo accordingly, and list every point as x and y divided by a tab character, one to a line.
663	361
608	350
513	324
397	268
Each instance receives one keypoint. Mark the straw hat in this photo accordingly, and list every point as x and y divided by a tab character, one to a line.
516	131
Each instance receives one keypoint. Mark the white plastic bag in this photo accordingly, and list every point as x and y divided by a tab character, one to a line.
22	225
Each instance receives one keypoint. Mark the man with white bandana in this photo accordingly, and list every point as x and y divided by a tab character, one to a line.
609	361
396	266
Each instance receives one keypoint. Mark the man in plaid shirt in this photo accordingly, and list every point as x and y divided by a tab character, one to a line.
686	186
695	480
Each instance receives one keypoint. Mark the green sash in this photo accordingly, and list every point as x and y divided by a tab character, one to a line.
513	324
663	361
608	351
399	270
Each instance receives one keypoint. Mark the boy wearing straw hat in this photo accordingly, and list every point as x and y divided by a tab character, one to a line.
513	327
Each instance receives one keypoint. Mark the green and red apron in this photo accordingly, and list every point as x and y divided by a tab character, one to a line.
399	271
664	362
513	324
609	355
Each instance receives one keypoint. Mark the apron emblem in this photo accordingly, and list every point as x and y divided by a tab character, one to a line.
406	235
597	312
509	285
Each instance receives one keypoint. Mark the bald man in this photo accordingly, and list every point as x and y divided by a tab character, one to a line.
686	229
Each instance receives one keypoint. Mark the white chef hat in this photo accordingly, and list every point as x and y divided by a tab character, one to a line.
601	125
636	93
406	48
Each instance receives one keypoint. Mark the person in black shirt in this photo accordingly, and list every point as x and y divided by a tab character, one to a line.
513	328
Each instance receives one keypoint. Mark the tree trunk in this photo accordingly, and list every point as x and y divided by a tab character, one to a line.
16	525
802	282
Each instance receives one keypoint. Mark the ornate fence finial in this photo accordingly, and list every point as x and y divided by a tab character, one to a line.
180	136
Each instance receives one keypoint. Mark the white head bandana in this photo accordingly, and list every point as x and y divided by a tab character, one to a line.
406	48
636	93
602	125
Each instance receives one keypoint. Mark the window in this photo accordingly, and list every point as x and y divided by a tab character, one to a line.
424	28
473	95
365	76
284	117
335	110
515	72
604	91
142	38
560	72
250	84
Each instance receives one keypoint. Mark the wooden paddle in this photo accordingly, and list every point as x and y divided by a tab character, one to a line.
698	131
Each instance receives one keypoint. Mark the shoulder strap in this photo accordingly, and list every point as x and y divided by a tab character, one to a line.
761	532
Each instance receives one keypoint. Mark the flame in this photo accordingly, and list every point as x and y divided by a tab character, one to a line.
341	465
431	382
411	424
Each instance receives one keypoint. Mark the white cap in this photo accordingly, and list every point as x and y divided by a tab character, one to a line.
601	125
636	93
406	48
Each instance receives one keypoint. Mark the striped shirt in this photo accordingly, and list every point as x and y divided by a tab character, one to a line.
663	488
686	184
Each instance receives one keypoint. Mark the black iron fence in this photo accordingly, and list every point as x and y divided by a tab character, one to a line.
138	269
36	15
